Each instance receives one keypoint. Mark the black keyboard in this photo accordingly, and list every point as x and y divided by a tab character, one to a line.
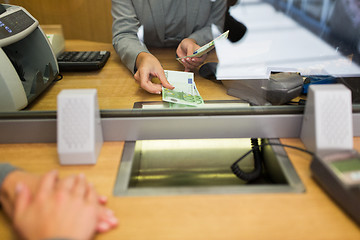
82	60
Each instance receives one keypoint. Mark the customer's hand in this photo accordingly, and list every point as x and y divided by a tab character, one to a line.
187	47
7	190
68	210
149	67
106	218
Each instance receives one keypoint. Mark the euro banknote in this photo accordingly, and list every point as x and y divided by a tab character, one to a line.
206	48
185	91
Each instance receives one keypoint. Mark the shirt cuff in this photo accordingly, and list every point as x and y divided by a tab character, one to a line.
5	169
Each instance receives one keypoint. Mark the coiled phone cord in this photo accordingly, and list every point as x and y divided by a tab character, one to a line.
249	176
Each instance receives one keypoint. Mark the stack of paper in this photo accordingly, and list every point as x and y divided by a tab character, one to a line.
275	42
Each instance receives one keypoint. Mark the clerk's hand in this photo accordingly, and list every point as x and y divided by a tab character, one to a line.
187	47
149	67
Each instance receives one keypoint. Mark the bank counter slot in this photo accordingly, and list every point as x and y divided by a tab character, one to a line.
201	166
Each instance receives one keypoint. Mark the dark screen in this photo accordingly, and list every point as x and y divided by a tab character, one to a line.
14	23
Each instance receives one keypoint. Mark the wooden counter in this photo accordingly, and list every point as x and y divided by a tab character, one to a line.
290	216
116	86
309	215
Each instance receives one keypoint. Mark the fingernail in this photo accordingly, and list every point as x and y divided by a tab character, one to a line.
113	220
109	213
158	93
103	198
103	226
19	187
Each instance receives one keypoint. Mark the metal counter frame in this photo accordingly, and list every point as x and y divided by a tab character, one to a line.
132	126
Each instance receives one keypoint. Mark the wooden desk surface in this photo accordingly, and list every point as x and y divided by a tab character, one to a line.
116	86
309	215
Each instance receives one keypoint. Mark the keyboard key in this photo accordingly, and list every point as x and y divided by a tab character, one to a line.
82	60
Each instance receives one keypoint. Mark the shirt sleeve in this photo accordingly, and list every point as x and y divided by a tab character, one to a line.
5	169
217	17
124	29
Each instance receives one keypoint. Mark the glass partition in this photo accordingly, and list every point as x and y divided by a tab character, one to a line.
336	51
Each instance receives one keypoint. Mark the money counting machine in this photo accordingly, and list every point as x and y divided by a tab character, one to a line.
27	62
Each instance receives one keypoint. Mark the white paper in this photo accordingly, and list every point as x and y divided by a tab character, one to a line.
275	42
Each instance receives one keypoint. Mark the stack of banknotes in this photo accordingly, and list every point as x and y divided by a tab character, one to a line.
206	48
185	91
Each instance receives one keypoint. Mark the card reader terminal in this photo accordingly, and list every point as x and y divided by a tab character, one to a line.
339	174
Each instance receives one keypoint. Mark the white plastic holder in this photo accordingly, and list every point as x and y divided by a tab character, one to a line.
79	131
327	124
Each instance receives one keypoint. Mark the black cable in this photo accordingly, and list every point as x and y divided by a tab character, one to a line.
257	159
300	102
250	176
59	77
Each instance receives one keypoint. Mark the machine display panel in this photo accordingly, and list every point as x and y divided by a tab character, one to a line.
14	23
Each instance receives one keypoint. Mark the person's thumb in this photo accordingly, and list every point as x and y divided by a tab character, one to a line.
165	83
